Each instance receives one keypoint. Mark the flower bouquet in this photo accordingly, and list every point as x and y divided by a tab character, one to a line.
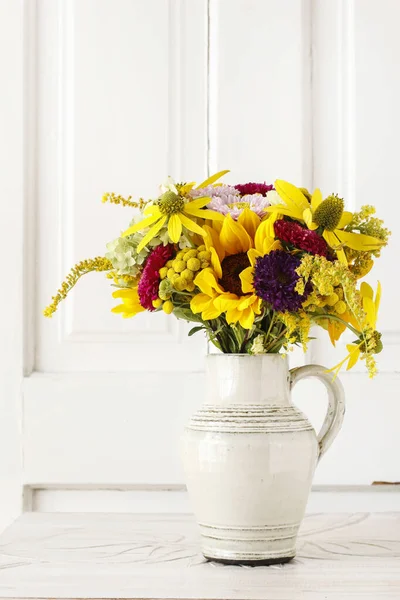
255	266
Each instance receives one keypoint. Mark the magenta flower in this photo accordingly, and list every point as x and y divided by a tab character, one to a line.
254	188
150	279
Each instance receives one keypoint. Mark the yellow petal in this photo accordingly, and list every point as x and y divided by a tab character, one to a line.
212	240
152	209
378	297
245	302
152	233
126	293
203	213
256	305
316	199
358	241
212	179
226	301
191	225
354	355
369	309
308	219
366	290
261	234
185	189
199	202
284	210
210	313
246	277
292	196
335	244
174	228
234	237
216	263
335	330
345	219
250	221
270	245
233	315
247	318
207	283
141	225
200	302
253	254
271	219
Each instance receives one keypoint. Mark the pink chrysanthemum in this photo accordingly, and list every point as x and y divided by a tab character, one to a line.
304	239
150	279
235	205
254	188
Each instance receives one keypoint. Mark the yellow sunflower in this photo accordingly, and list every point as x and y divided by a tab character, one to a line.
232	250
130	302
328	214
176	209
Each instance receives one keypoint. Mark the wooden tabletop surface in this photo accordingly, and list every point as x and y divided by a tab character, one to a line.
69	555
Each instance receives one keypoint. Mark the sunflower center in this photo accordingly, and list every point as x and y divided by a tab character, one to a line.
329	213
232	266
170	203
238	205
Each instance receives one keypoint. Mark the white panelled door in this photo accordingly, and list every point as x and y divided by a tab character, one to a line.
115	95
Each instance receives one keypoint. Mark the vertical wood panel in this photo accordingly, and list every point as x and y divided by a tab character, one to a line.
12	159
122	105
260	89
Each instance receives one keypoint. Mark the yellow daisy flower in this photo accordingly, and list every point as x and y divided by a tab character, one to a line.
176	209
223	289
328	214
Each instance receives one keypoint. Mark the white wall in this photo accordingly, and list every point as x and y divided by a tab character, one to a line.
117	95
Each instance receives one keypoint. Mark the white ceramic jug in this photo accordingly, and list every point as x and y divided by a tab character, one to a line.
250	455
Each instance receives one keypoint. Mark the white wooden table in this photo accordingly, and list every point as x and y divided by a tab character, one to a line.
153	556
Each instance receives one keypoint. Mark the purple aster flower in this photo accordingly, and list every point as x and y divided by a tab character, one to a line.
275	280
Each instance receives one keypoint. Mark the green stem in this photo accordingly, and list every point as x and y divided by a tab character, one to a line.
273	343
270	325
339	320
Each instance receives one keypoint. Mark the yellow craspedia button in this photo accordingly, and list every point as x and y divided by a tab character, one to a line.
193	264
168	307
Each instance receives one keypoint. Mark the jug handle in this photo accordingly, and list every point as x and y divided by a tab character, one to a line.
336	406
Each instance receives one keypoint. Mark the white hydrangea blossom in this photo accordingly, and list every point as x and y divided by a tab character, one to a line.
124	257
274	198
257	346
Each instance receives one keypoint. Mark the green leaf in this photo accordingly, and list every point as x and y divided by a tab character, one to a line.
195	330
187	315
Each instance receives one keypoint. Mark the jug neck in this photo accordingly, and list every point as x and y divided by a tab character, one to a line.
247	380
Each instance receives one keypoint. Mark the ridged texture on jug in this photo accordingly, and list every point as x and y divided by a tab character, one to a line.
249	457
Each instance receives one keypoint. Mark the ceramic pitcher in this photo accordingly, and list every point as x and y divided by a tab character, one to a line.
249	456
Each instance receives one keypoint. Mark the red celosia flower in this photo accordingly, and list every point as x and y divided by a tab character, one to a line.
304	239
150	279
253	188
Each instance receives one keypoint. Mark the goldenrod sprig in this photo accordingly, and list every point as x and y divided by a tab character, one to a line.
85	266
117	199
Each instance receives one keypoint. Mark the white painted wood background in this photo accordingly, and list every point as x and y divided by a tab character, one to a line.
114	95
